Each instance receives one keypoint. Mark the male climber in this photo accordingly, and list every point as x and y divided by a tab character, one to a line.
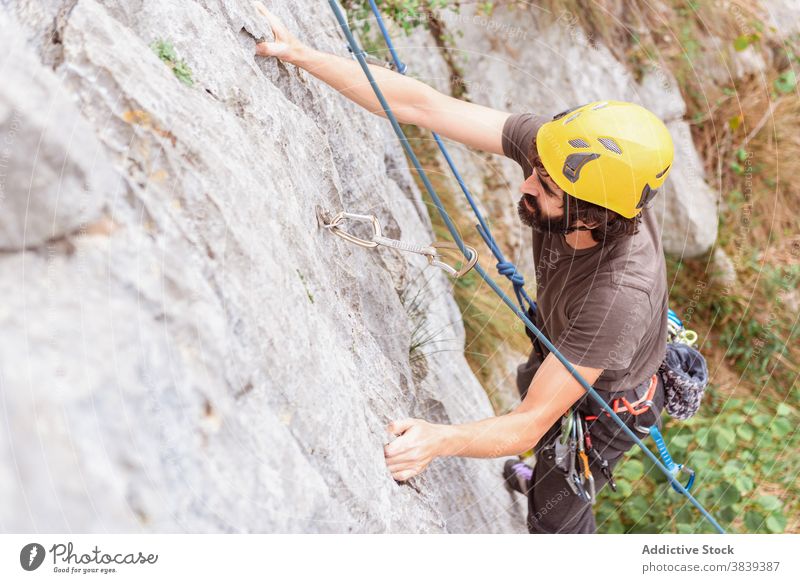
600	287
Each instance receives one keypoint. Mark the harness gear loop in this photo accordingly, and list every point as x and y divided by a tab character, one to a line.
435	253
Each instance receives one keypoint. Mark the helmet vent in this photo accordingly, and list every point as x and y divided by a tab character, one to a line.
610	144
600	106
579	143
664	171
647	195
575	162
572	117
565	112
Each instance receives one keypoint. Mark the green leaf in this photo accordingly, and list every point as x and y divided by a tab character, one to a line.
632	470
786	82
727	494
741	42
761	420
701	436
684	528
745	432
727	514
744	484
783	410
686	514
638	507
769	503
753	520
700	458
731	468
624	488
614	527
724	437
680	441
776	522
781	427
735	418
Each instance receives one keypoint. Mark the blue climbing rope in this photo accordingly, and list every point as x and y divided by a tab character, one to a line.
359	54
506	268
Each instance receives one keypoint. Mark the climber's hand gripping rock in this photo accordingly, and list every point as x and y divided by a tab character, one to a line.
286	46
416	447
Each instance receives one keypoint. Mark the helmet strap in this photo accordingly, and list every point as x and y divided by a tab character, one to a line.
567	228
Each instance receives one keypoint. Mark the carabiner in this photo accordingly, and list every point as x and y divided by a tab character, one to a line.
334	228
645	407
686	470
586	473
438	246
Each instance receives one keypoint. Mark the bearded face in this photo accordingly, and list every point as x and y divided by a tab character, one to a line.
531	214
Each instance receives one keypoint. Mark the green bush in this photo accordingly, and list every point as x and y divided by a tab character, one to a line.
744	454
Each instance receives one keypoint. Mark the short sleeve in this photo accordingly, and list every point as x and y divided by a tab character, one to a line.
519	131
606	328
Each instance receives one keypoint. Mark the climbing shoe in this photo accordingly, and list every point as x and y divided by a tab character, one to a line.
518	476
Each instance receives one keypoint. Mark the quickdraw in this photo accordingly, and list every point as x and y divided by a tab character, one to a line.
435	252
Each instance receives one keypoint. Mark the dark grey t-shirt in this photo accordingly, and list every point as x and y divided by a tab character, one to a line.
602	307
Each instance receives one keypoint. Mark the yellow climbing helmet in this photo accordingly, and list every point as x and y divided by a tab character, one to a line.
610	153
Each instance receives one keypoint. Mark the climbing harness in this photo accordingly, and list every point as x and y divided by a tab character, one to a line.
519	311
435	252
622	405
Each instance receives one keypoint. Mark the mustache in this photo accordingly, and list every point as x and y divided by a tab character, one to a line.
532	217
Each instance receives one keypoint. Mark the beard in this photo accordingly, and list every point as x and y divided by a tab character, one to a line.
533	218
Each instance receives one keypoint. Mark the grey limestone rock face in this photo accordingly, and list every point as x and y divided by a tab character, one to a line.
53	170
182	347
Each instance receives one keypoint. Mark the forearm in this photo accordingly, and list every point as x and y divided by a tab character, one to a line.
406	96
506	435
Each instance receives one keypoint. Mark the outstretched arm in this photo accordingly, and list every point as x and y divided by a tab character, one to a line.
552	391
412	101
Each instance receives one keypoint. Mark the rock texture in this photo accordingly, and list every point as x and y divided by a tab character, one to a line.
182	347
49	153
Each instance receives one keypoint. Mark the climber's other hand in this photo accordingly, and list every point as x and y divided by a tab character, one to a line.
417	445
286	46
